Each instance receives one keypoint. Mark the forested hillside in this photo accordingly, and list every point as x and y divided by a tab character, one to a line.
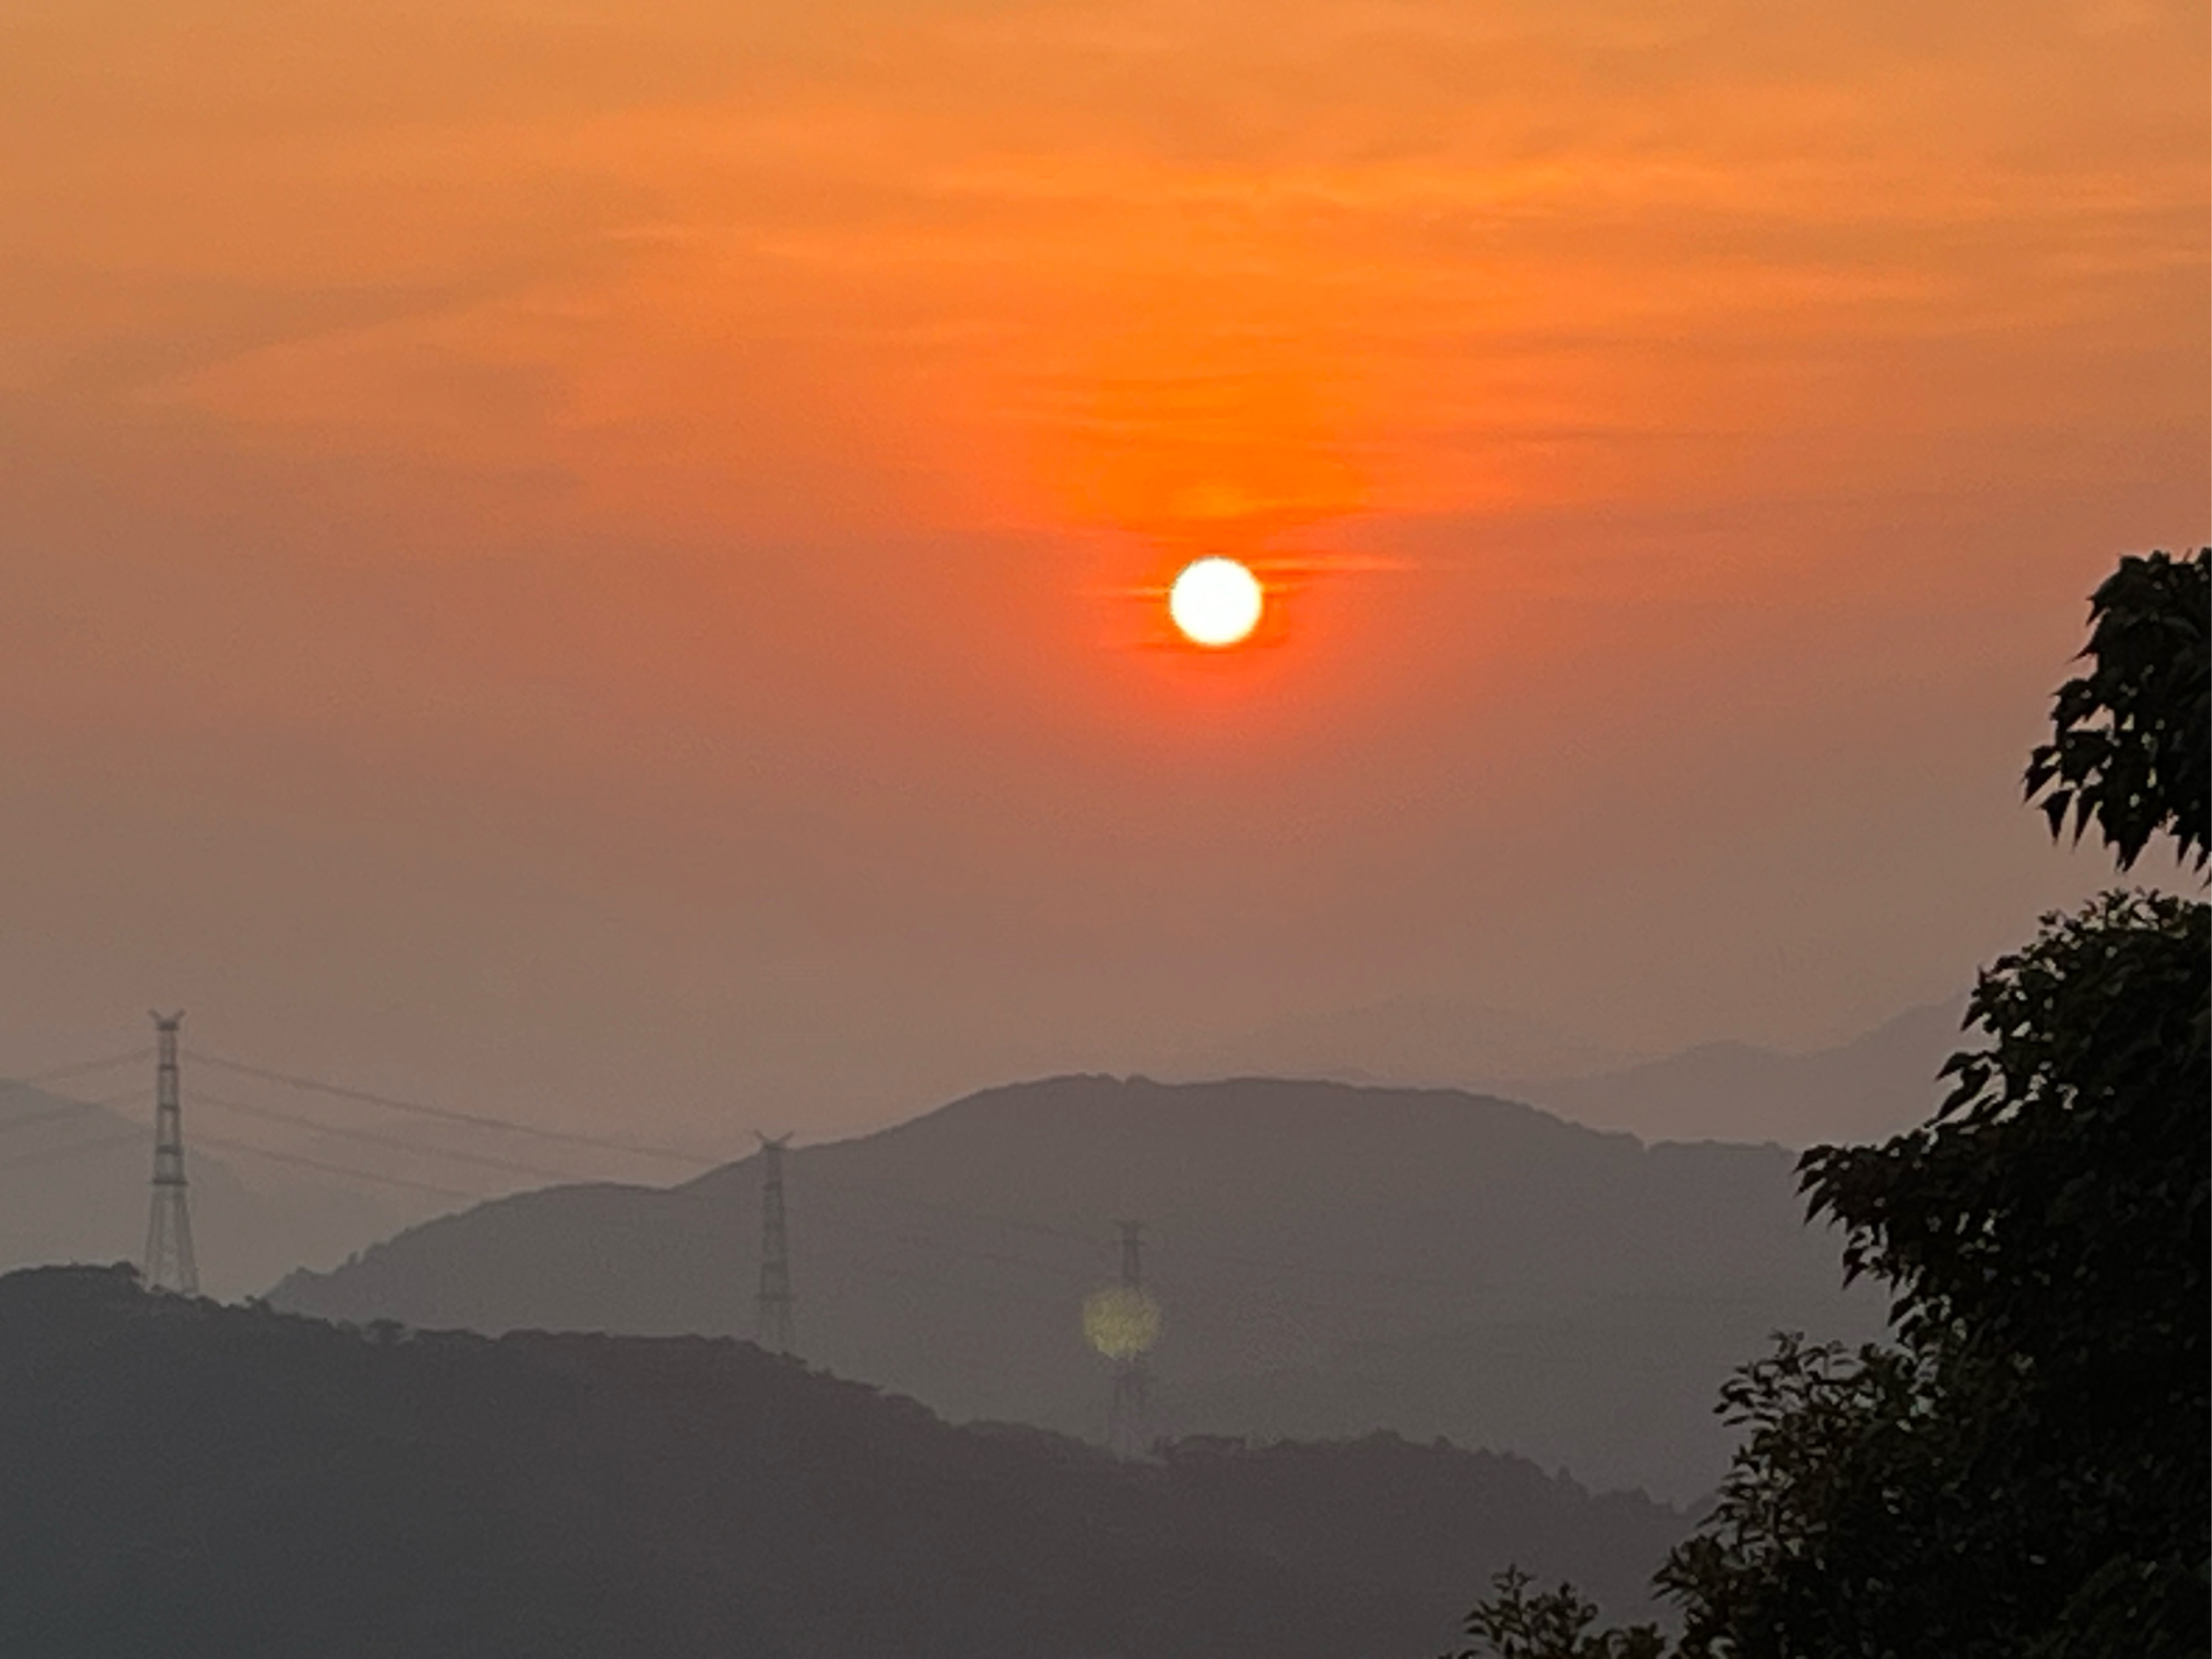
189	1479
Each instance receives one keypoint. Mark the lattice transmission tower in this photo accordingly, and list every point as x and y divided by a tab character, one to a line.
1128	1415
772	1317
169	1264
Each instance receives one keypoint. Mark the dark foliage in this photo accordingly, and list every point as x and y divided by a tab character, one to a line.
2029	1473
190	1480
2132	746
1513	1624
2028	1470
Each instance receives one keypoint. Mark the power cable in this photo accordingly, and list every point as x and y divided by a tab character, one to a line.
330	1169
842	1223
201	1097
1292	1272
1279	1269
480	1119
72	1109
1039	1227
52	1153
54	1074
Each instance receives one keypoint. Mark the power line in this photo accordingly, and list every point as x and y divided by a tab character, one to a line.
1298	1270
1009	1222
47	1116
1287	1275
1275	1268
333	1169
845	1223
1289	1270
912	1276
70	1104
480	1119
54	1074
1280	1270
52	1153
775	1260
604	1143
201	1097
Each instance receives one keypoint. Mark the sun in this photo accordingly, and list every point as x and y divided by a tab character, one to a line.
1216	602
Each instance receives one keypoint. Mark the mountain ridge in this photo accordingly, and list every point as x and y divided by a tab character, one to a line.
1877	1084
1315	1231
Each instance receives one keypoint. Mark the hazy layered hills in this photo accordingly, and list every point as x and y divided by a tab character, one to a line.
190	1479
1332	1260
73	1187
1421	1042
1866	1088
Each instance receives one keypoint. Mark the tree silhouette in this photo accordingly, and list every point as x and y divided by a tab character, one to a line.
1549	1624
2025	1471
2128	748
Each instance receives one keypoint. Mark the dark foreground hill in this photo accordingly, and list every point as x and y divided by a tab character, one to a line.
188	1479
1332	1260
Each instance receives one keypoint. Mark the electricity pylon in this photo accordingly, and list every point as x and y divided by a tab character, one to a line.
772	1326
169	1264
1127	1417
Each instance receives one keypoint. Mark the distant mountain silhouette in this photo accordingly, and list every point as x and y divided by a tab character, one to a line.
1332	1260
1421	1043
73	1187
1867	1089
199	1481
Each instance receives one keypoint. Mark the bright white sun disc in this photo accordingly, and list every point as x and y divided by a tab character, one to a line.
1215	602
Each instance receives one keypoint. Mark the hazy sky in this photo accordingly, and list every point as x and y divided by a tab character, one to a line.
599	561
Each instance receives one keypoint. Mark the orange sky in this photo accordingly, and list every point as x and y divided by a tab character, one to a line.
592	558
